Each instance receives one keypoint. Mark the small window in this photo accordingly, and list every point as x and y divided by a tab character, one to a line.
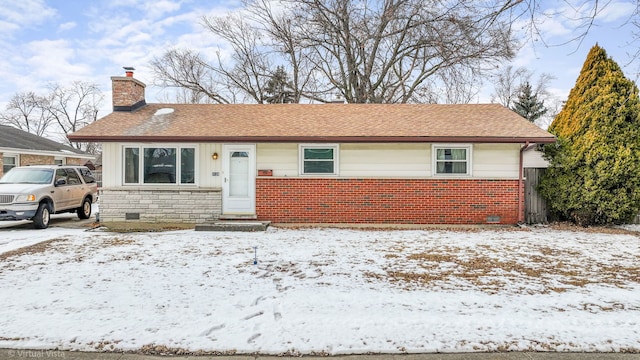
131	165
452	160
319	160
188	165
9	162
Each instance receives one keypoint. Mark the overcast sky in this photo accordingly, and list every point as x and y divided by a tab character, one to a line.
43	41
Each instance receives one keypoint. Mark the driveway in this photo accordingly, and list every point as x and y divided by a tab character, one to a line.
65	220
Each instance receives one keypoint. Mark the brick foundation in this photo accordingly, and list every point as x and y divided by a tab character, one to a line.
399	201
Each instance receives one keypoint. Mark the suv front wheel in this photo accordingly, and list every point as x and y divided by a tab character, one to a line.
43	215
84	211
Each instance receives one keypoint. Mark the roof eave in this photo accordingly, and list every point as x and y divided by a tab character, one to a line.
318	139
61	153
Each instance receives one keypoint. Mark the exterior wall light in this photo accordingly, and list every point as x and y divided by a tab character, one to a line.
214	156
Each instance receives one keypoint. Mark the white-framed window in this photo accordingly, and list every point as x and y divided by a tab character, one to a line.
318	159
9	162
159	164
59	160
451	160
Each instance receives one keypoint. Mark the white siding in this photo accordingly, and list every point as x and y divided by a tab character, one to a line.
490	161
111	165
385	160
206	166
532	158
496	161
355	160
281	158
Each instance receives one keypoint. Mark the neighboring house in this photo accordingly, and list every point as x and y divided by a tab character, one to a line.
310	163
19	148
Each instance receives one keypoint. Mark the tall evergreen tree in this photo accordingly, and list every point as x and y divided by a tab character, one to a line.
528	105
278	89
594	173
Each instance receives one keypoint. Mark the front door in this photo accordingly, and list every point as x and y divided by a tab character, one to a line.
239	180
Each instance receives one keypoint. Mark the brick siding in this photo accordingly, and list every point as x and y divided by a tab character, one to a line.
175	206
27	159
75	161
126	91
400	201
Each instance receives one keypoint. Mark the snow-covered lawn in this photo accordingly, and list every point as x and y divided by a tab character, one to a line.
319	291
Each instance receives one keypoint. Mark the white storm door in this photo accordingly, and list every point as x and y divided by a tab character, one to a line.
239	180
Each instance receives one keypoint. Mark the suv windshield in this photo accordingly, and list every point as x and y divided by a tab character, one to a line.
27	176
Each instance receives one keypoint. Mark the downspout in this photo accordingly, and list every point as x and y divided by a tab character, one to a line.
521	184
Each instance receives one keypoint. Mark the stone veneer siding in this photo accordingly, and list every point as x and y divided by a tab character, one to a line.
161	205
391	201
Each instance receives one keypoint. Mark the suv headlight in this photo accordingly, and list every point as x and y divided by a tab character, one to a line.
25	197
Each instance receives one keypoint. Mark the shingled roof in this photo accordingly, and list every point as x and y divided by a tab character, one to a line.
12	138
315	123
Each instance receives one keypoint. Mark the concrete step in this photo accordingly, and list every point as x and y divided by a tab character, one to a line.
238	217
236	225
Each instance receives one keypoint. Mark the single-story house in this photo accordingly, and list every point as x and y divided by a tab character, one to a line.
310	163
20	148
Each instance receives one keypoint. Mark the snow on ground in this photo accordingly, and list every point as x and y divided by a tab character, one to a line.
12	238
332	291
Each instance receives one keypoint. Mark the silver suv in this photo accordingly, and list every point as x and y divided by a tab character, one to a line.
35	192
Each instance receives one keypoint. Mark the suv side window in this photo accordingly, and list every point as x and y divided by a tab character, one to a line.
73	178
87	175
61	174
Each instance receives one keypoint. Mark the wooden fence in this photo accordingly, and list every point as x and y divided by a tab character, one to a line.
97	174
535	206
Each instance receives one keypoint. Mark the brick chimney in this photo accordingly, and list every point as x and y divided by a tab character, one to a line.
127	92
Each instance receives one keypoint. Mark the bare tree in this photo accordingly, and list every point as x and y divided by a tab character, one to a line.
285	45
581	14
186	69
73	107
368	51
385	51
506	84
62	109
27	111
509	82
251	66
